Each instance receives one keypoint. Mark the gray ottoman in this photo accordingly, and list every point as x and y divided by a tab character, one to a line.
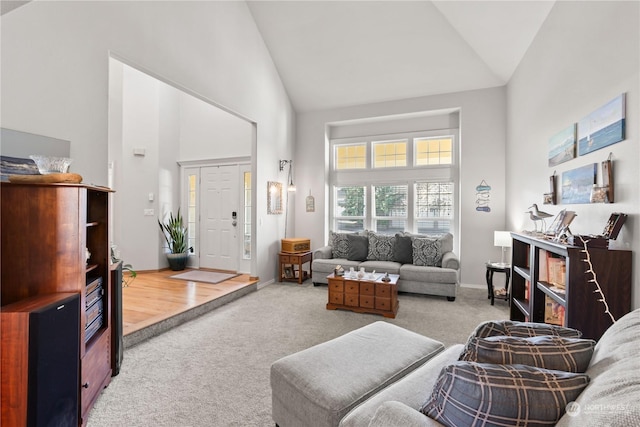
319	385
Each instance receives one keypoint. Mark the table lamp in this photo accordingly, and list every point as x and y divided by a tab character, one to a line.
502	239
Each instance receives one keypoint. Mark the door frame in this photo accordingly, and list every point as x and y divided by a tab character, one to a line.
187	167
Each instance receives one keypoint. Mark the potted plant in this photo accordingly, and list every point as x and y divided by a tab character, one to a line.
175	233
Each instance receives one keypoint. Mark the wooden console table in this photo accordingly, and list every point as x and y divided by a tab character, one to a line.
287	263
364	296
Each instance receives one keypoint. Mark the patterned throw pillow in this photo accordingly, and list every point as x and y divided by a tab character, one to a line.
481	394
380	247
427	252
549	352
339	245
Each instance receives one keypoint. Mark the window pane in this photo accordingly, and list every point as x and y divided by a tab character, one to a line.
434	151
390	202
434	200
349	208
246	235
390	154
351	156
191	212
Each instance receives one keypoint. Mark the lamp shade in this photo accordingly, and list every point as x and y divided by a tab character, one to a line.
502	238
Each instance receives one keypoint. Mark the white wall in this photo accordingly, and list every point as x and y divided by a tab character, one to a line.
54	71
585	54
482	125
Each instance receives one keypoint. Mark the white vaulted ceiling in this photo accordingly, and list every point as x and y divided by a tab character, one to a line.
339	53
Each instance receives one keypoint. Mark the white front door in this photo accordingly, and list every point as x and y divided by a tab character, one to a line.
219	205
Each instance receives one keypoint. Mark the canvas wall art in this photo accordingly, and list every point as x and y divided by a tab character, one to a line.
562	146
603	127
577	184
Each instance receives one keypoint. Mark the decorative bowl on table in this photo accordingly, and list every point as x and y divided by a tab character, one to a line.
47	165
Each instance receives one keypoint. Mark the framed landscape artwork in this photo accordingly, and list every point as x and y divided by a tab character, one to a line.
603	127
577	184
562	146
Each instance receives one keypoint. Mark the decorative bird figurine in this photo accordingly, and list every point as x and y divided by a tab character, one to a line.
537	215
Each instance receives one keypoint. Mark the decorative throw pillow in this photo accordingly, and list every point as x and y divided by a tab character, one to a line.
403	249
427	252
339	244
358	245
522	329
380	247
549	352
482	394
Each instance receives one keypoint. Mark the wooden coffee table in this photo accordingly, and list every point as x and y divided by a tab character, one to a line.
364	296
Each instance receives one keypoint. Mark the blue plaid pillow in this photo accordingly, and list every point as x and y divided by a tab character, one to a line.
482	394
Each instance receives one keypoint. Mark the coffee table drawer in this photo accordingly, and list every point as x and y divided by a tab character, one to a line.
336	286
351	287
383	290
383	303
367	289
367	301
336	297
352	300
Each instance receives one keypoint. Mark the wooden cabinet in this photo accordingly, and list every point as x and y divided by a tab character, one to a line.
533	291
55	239
363	296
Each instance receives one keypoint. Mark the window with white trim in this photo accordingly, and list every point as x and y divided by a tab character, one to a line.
402	182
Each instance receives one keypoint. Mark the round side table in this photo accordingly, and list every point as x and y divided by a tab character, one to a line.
497	267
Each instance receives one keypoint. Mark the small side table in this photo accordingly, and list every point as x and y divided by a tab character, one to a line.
497	267
287	263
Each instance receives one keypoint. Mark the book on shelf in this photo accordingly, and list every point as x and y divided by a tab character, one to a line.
526	290
553	312
556	271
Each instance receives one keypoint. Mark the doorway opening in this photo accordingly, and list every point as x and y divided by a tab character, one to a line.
154	126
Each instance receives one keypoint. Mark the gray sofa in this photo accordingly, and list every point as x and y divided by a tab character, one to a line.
426	265
610	398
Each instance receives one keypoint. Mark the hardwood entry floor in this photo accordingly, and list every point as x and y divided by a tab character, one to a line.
154	297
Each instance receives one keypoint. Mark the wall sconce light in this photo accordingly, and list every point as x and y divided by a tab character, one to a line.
502	239
291	187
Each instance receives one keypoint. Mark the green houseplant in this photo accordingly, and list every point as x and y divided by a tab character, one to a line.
175	234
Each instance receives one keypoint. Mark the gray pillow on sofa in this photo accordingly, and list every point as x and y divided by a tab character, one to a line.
403	249
358	247
549	352
482	394
522	329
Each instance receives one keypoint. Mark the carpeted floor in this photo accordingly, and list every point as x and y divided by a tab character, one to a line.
214	370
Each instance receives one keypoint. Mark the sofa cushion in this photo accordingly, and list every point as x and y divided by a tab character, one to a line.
403	249
416	273
479	394
357	247
381	266
339	243
380	247
427	252
549	352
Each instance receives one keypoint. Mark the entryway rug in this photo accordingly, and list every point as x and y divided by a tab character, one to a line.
204	276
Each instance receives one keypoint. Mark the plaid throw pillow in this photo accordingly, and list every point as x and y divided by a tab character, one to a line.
522	329
549	352
481	394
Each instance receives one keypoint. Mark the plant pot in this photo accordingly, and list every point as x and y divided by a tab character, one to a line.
177	262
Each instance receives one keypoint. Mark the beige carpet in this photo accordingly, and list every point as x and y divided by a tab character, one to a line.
204	276
214	370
